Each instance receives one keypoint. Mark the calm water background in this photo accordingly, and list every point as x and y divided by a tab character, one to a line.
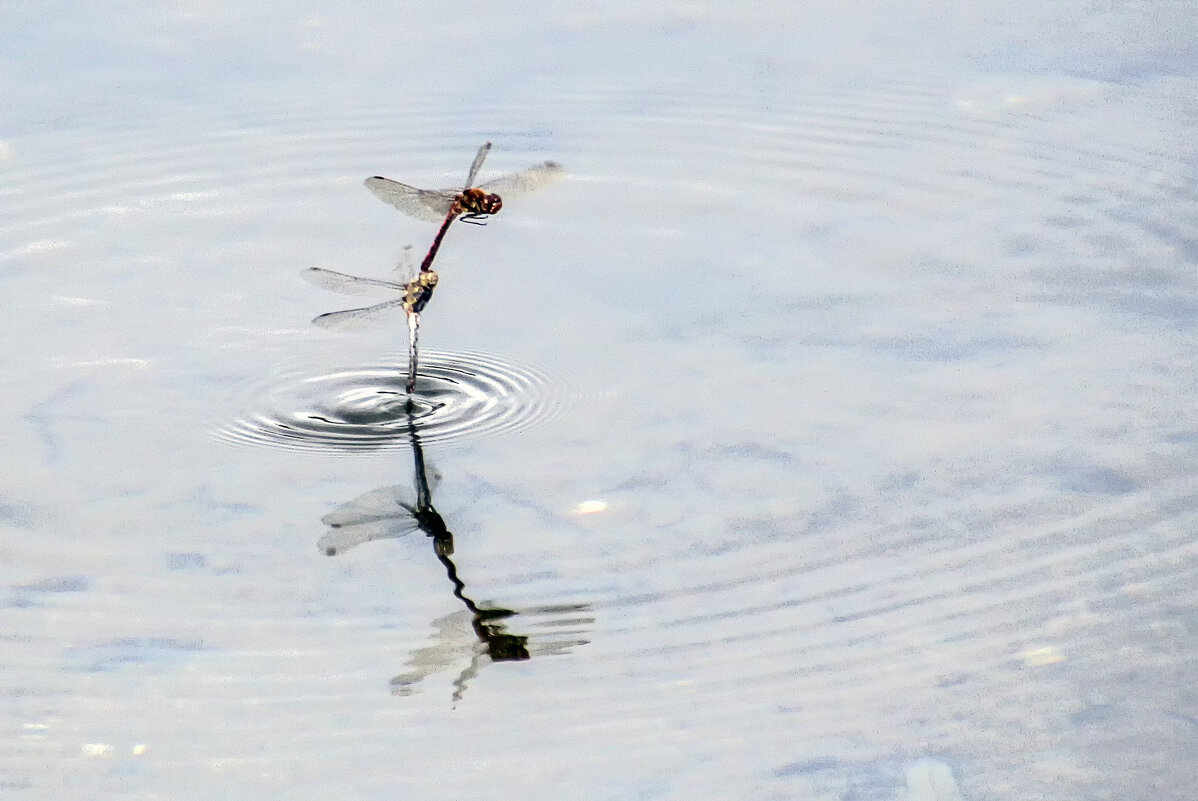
860	444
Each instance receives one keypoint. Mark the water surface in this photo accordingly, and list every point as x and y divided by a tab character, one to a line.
826	433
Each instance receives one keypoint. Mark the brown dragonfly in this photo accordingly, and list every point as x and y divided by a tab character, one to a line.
411	292
472	203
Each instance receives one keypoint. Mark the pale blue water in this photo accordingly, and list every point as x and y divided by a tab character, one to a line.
830	430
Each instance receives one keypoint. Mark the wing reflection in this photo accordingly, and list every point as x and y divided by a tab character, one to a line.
397	510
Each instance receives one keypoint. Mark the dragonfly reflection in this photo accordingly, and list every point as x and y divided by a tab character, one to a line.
412	292
473	204
395	511
390	512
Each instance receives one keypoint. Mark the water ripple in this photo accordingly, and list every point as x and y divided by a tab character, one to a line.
366	408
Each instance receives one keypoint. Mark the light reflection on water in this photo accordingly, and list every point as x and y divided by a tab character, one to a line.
891	432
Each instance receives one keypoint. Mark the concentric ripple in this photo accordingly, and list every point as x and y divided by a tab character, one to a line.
367	408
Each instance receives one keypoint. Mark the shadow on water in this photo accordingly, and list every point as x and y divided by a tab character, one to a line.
390	512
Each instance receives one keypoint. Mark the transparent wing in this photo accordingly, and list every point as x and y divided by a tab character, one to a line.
520	183
384	503
405	267
382	513
349	284
356	319
345	537
430	205
477	165
426	481
433	477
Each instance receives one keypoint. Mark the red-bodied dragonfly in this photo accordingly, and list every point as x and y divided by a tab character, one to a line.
412	293
472	203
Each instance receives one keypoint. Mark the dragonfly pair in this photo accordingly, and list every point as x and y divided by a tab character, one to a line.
413	289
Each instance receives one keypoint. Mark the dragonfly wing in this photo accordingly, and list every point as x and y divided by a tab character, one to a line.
426	488
382	513
345	537
383	503
525	181
477	165
349	284
405	267
356	319
430	205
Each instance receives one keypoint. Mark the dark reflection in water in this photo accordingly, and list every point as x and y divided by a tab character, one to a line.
390	512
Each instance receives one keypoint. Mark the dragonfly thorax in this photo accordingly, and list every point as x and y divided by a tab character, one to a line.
476	201
419	291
